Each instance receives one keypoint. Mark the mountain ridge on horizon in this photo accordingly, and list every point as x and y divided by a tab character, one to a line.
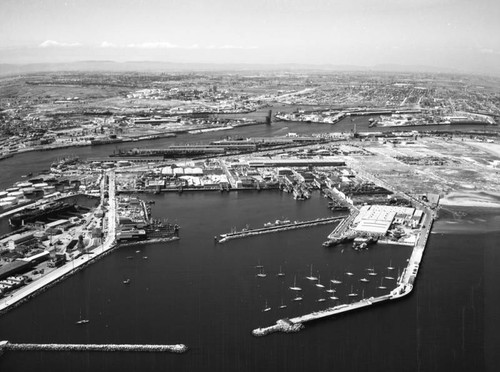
160	66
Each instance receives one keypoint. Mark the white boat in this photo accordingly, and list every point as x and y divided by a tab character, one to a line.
282	306
82	321
297	298
381	286
372	273
318	284
389	277
262	274
364	280
331	290
333	298
266	308
348	273
390	267
311	277
126	281
352	294
321	299
295	288
335	281
281	273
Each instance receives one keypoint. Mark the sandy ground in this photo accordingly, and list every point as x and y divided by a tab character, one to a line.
472	199
492	148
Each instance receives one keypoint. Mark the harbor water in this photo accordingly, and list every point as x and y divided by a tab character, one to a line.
207	296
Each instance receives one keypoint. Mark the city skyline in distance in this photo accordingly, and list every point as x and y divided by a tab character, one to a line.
445	35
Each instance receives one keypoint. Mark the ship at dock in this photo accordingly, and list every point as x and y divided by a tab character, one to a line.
37	213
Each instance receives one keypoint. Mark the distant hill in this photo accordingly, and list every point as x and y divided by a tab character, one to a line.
156	66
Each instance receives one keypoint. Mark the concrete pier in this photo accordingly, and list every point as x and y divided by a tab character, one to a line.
276	228
177	348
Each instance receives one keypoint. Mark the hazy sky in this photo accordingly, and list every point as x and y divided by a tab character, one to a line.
462	34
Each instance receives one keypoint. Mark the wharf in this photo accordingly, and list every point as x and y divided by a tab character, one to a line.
177	348
35	287
276	228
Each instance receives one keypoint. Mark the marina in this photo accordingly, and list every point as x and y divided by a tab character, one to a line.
405	285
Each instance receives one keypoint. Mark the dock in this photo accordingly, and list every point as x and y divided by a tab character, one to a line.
277	228
177	348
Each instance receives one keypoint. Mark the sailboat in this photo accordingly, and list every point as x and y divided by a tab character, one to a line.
311	277
331	290
126	281
259	266
82	321
281	273
348	273
352	294
381	286
318	284
297	298
335	281
295	288
372	272
333	297
390	266
364	280
321	299
262	274
266	308
282	306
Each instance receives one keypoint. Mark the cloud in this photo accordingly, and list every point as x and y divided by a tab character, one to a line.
229	46
488	51
168	45
53	43
106	44
153	45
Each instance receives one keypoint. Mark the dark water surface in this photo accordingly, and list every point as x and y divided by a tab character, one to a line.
207	296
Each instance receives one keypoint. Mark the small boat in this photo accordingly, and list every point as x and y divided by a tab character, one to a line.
390	267
266	308
282	306
145	257
333	298
311	277
318	284
331	290
137	251
82	321
262	274
335	281
126	281
281	273
389	277
295	288
348	273
372	273
352	294
364	280
297	298
321	299
381	286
